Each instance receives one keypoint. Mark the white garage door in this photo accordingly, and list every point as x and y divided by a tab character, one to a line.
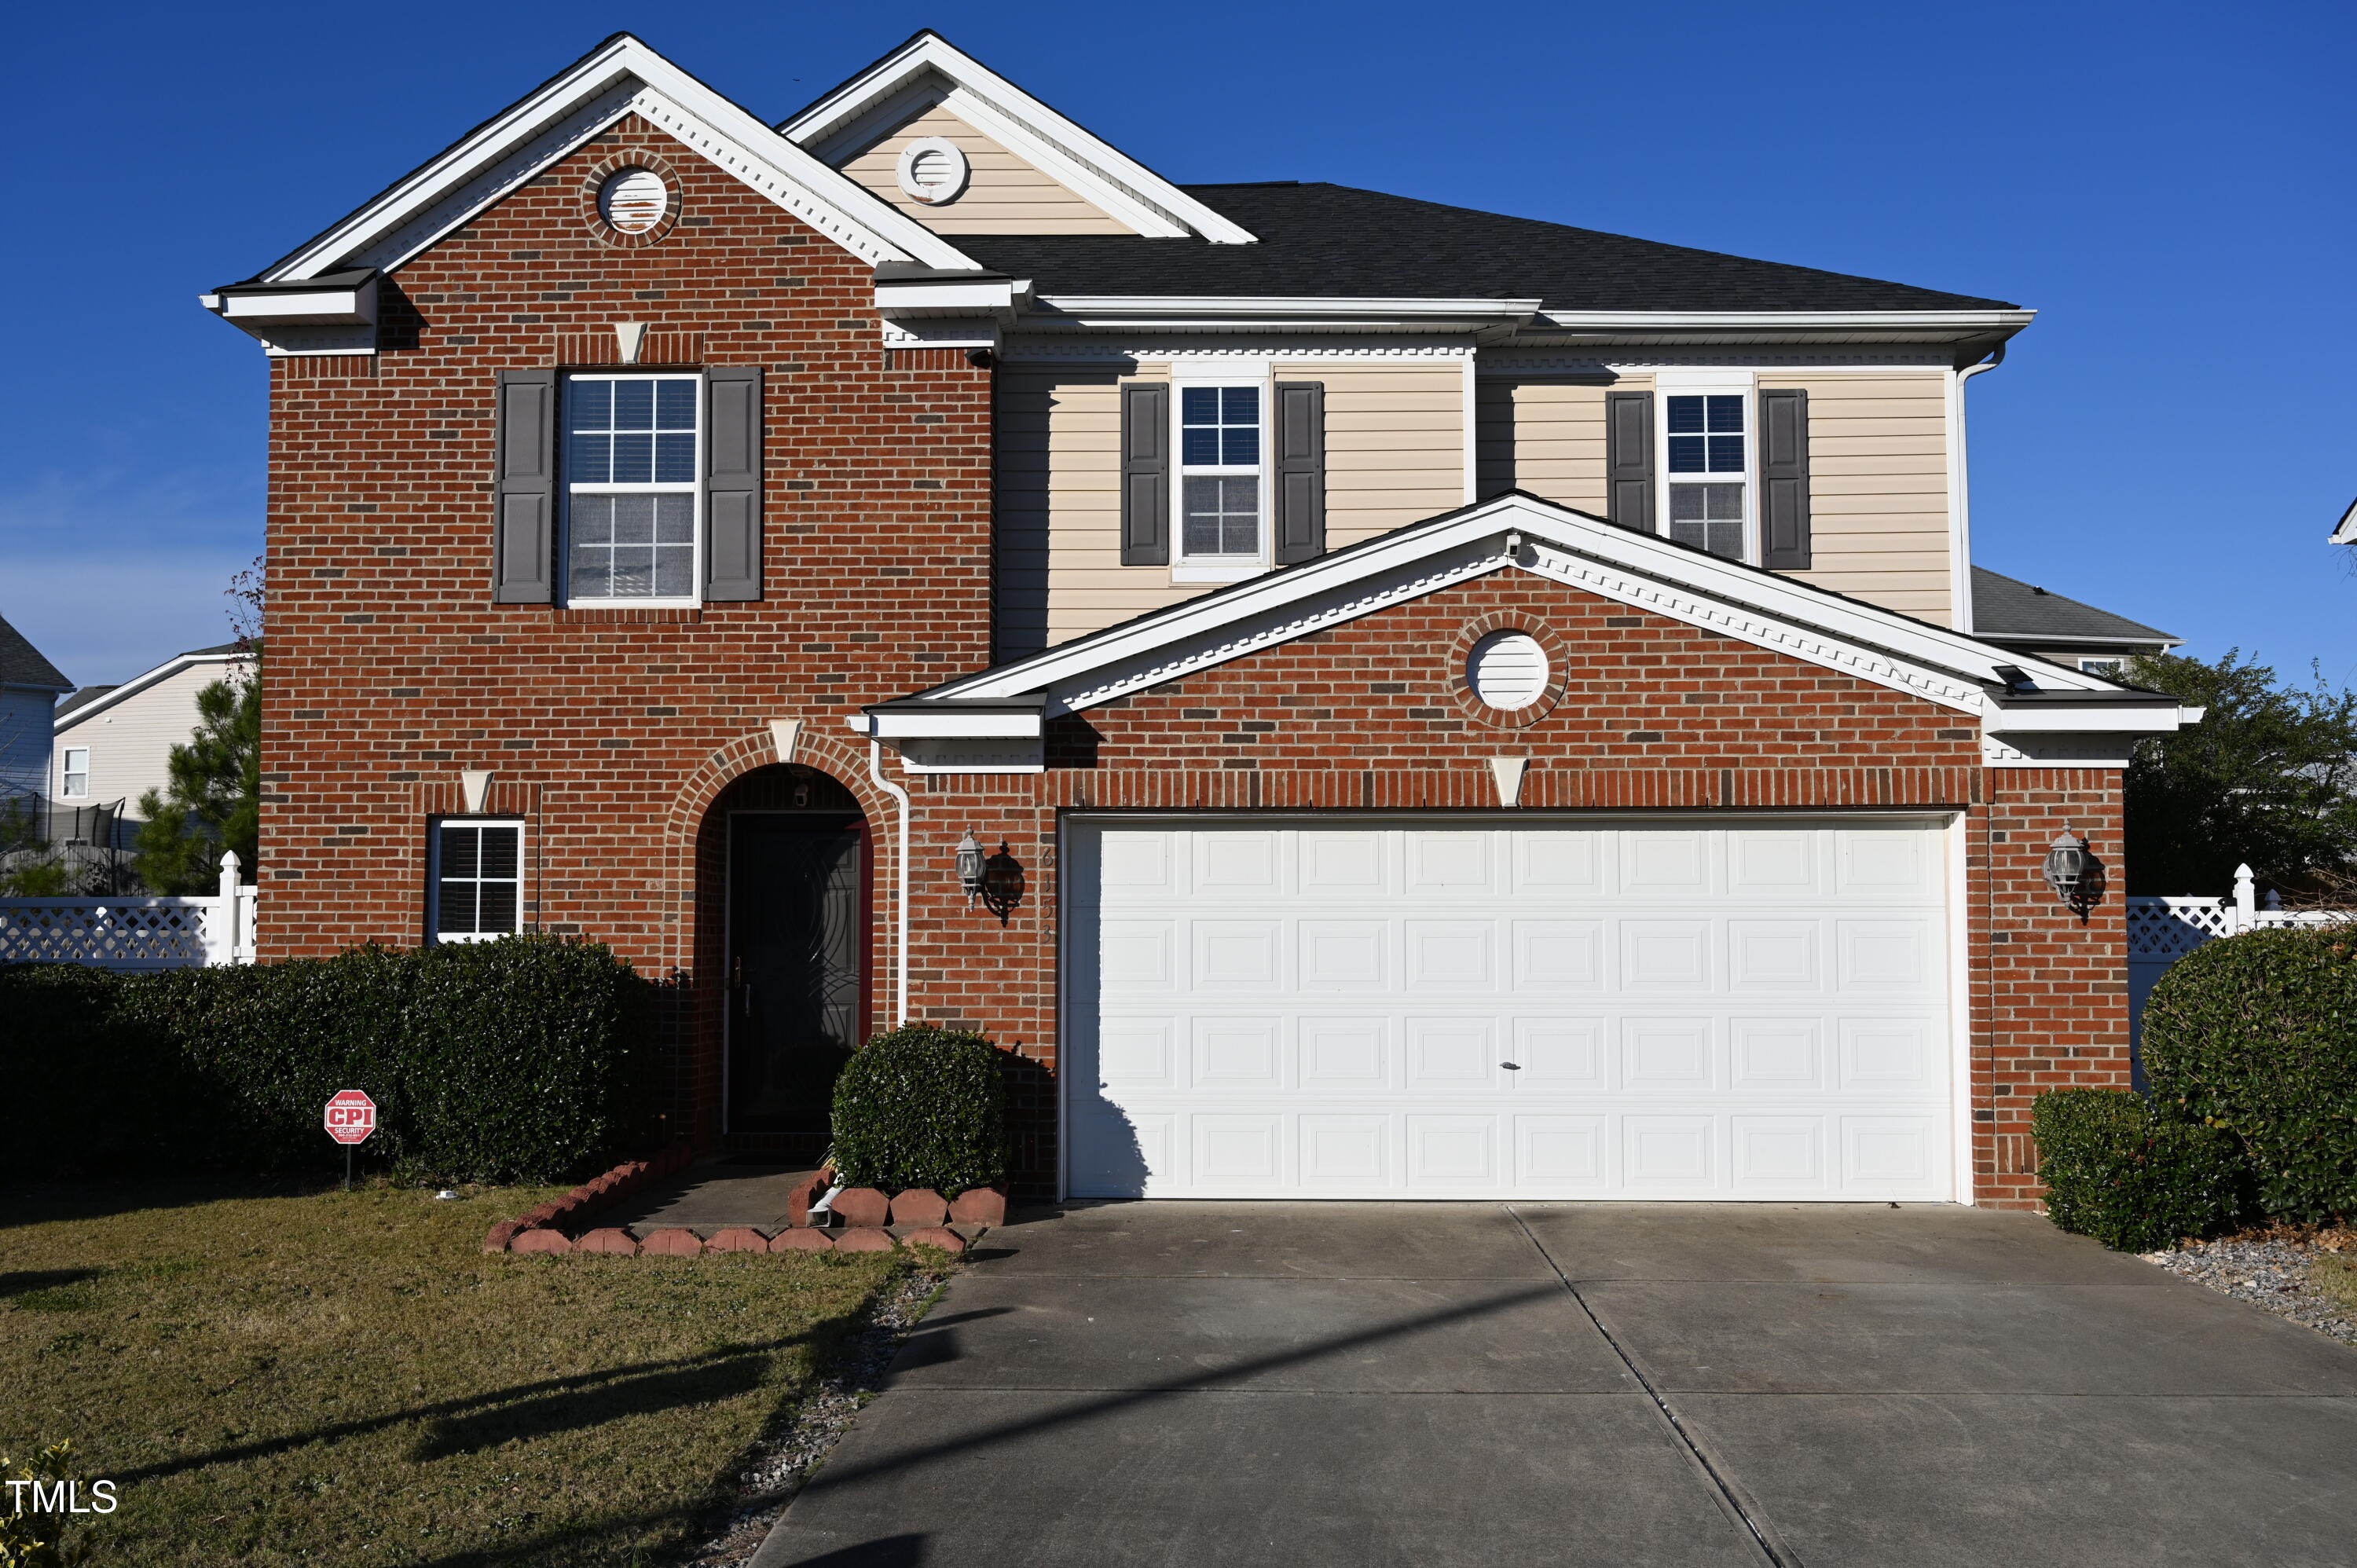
1639	1010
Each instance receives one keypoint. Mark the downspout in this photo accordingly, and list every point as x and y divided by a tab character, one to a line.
901	897
1959	497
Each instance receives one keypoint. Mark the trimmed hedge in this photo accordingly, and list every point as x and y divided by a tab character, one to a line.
2134	1180
923	1107
2257	1035
524	1059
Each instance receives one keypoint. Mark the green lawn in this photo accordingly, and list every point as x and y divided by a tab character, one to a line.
278	1377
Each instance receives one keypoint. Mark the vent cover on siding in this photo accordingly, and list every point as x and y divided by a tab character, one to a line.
634	201
1508	670
934	170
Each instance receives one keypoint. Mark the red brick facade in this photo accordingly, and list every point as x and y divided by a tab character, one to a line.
623	737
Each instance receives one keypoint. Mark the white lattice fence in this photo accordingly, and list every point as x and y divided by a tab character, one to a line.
133	933
2162	931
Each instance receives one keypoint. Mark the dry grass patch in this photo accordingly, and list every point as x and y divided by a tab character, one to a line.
274	1377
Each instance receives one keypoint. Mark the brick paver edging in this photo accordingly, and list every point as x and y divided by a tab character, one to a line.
870	1220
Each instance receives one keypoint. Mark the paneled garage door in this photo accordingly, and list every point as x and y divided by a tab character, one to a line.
1634	1009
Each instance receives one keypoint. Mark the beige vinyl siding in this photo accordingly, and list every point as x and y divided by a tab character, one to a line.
1878	488
130	742
1005	195
1547	436
1878	470
1394	444
1060	571
1394	455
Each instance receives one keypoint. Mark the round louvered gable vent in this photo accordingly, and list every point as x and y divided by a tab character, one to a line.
634	201
1508	670
933	170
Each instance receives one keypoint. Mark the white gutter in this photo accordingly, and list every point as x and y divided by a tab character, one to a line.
1811	320
1960	496
900	897
1258	306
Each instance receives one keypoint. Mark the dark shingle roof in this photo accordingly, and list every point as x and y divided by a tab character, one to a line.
21	663
84	698
2004	606
1338	242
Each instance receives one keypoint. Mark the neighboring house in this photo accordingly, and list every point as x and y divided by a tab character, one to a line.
2044	625
1367	698
29	688
113	744
2345	531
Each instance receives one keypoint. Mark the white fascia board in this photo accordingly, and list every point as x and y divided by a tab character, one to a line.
625	76
1111	306
1808	320
900	724
946	297
1078	151
1643	570
138	683
2003	637
305	307
2347	532
2088	718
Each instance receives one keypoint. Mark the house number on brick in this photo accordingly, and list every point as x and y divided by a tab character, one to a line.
1508	670
634	201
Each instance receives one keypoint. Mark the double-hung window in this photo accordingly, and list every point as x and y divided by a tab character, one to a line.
477	880
74	783
633	448
1220	445
1707	443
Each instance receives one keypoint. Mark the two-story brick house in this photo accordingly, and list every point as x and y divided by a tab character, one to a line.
1473	706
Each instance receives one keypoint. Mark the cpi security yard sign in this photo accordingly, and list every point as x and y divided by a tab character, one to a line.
352	1117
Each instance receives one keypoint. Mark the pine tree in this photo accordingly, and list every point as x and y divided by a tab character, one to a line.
213	799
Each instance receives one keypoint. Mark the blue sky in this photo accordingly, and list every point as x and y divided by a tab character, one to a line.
2168	185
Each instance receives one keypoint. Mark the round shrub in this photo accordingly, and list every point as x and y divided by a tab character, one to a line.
2133	1180
2257	1035
922	1106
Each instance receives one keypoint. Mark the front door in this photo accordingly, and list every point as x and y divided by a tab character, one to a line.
797	971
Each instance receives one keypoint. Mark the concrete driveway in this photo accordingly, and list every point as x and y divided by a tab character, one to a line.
1301	1385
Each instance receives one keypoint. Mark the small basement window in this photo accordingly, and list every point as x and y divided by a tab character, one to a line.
476	892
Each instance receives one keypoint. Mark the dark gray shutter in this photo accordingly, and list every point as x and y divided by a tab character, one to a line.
1146	474
1784	478
732	482
523	501
1629	460
1300	471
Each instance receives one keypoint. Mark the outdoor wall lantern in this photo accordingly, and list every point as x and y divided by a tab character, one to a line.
995	881
2074	873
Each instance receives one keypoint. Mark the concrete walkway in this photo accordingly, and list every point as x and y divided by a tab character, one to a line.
1298	1385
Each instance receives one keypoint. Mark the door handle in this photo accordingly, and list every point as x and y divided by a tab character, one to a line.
1512	1067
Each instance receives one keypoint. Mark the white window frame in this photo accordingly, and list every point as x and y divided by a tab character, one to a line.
67	772
1668	384
693	490
1252	373
2107	665
434	825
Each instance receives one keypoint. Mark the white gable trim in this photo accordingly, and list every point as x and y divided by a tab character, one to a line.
623	77
1092	166
238	663
1522	532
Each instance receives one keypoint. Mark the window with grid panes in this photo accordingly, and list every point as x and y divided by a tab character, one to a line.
1218	470
478	880
1707	444
632	455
